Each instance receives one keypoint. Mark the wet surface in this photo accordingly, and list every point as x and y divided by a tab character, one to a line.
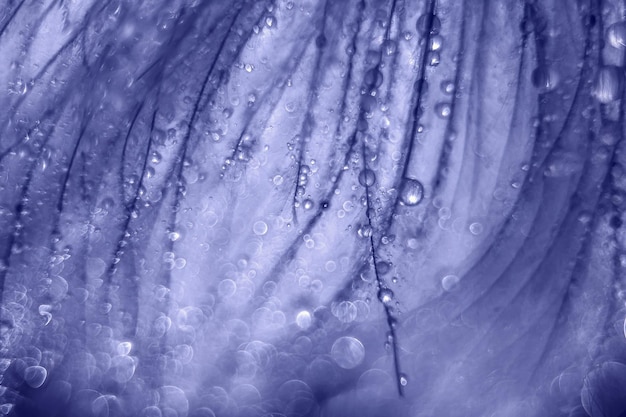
309	208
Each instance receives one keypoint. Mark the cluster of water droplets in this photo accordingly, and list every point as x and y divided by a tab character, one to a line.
302	199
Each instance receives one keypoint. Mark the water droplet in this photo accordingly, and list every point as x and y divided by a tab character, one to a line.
156	157
122	368
174	398
124	348
411	192
383	267
348	352
373	78
365	231
616	35
304	320
259	228
390	47
434	58
385	295
447	87
449	282
545	79
345	311
35	376
317	285
608	84
428	21
476	228
227	288
436	42
403	380
443	110
278	180
44	311
367	178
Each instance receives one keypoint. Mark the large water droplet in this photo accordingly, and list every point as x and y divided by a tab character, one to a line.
373	78
35	376
122	368
345	311
411	192
385	295
304	319
426	22
545	79
174	398
608	84
616	35
367	178
348	352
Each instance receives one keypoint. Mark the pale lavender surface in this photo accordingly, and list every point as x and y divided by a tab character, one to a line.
309	208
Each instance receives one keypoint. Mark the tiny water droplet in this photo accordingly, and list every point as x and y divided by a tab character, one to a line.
403	380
